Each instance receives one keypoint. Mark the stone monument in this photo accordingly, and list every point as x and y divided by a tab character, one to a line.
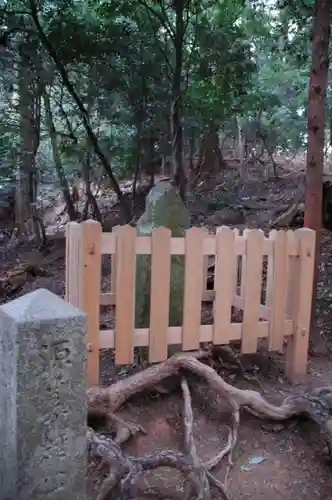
43	414
164	207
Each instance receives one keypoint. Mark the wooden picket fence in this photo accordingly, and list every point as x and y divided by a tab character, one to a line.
238	283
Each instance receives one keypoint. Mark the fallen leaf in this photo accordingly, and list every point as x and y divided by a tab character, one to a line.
257	460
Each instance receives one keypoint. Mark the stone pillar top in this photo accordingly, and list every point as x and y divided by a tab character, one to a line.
39	305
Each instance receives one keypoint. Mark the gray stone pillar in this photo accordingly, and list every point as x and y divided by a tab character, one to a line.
43	414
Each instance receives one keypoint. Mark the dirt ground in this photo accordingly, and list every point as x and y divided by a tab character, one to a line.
279	461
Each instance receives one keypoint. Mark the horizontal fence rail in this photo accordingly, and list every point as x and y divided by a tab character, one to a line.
239	282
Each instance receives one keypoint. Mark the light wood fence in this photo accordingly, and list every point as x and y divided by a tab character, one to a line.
284	313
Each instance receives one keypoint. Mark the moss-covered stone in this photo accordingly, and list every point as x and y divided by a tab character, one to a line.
165	208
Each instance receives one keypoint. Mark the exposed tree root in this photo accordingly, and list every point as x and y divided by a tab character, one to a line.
286	218
203	469
125	470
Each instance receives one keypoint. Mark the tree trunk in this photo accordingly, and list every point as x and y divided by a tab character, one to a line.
316	126
264	140
191	162
57	159
90	199
241	150
27	220
86	169
137	164
177	101
36	110
22	205
151	161
210	160
84	116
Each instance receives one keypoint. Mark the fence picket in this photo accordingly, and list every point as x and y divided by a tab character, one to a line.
69	265
252	292
74	264
113	264
302	273
293	269
125	294
277	288
205	265
193	285
225	276
91	280
205	273
160	294
269	279
237	283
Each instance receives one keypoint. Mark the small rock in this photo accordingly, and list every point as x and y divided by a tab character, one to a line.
227	216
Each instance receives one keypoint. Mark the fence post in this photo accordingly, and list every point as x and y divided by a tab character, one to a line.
301	273
193	284
91	285
113	265
276	288
125	294
83	277
253	265
225	277
74	264
160	294
205	265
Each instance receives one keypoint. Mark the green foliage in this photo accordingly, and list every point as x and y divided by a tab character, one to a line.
281	41
240	59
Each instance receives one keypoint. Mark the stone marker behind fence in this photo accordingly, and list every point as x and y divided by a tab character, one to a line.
43	415
164	207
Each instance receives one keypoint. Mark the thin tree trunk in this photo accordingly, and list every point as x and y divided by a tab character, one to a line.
57	159
191	167
177	101
86	170
270	154
36	109
316	126
90	199
241	151
24	172
137	165
192	143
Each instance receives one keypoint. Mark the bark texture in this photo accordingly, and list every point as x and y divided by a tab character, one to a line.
316	128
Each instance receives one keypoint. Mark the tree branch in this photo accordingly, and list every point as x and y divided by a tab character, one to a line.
164	21
204	9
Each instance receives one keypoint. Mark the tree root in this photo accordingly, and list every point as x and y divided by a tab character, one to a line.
202	470
285	219
125	470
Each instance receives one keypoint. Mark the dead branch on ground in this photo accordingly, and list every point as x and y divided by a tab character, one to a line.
285	219
124	471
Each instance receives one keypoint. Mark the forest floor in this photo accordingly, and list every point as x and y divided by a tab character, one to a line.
281	461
